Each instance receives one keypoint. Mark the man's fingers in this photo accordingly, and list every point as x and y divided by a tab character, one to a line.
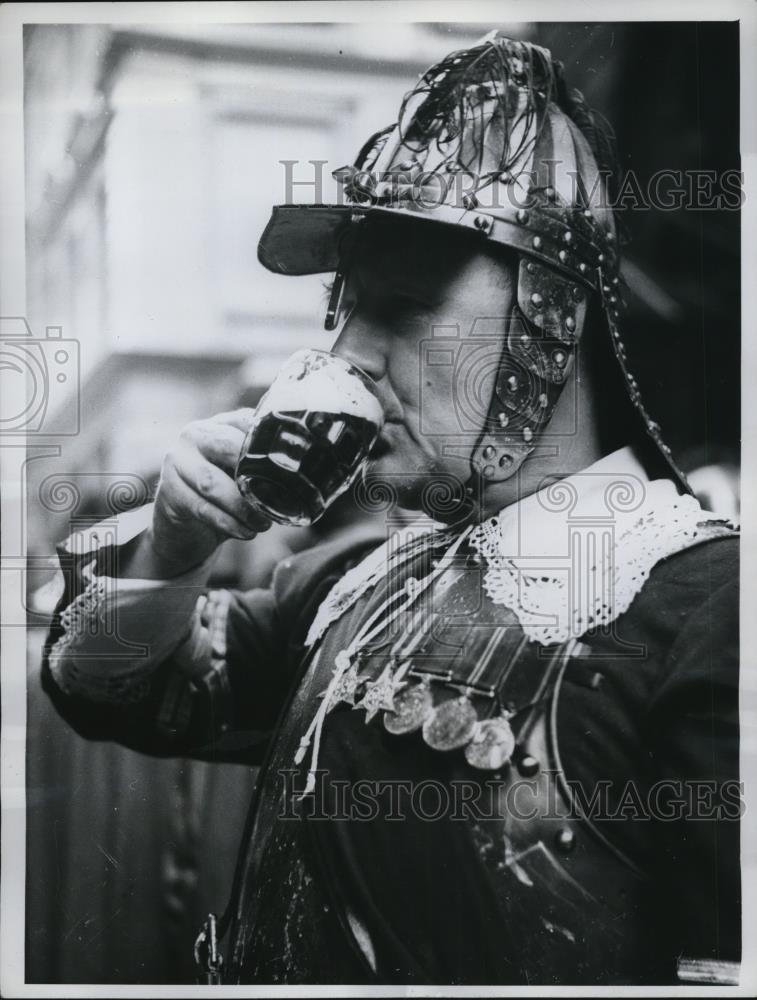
211	504
199	475
214	485
220	443
241	418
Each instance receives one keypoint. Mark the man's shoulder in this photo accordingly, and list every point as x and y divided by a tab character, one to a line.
690	599
705	567
690	605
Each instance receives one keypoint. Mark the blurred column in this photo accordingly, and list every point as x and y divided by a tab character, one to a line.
156	209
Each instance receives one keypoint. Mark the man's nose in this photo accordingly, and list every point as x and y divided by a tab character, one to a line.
362	343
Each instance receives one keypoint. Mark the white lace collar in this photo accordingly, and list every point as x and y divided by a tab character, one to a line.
568	558
574	555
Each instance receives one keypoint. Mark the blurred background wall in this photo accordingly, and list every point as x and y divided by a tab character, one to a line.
152	159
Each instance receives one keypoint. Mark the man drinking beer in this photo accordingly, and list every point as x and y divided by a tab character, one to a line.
501	747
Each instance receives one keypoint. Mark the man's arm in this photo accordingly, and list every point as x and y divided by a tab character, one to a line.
134	641
142	661
214	667
131	592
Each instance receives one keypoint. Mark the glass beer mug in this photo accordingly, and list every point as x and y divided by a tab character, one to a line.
310	437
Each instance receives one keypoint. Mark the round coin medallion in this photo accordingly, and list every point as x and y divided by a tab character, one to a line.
412	706
492	745
451	724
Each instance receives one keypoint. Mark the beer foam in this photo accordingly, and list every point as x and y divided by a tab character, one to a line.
320	383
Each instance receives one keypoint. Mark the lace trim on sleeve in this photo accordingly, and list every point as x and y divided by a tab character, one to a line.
87	614
201	657
91	659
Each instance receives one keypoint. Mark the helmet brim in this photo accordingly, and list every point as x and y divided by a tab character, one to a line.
306	239
303	239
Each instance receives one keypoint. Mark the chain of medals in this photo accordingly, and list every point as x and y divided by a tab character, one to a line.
404	694
345	679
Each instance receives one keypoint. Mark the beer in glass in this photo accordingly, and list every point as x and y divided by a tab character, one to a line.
310	438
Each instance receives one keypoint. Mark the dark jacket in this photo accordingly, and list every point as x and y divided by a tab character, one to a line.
647	713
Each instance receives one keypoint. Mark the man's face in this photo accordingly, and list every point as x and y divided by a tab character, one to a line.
405	280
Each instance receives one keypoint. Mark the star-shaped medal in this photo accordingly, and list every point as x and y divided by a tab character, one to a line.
345	687
379	694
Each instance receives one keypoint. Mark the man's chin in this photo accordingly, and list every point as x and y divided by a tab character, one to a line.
391	480
389	475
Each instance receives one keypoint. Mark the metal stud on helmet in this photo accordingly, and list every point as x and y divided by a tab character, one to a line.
491	141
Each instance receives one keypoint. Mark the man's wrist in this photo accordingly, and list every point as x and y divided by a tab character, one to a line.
143	560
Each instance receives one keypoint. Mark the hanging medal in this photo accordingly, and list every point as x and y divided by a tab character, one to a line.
412	706
492	744
453	723
494	741
345	680
379	694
